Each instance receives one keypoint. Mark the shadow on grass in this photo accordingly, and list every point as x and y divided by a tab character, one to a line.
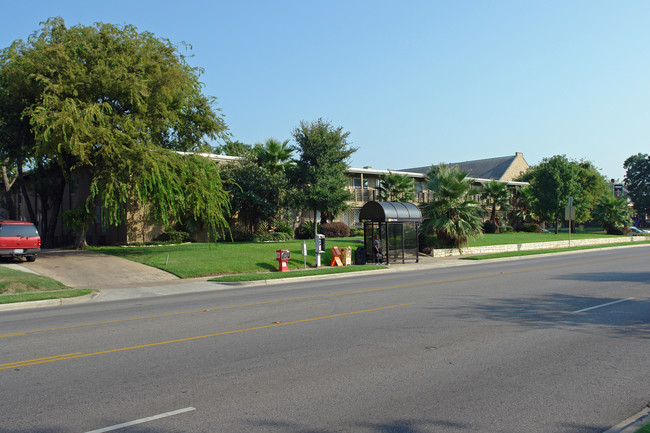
266	266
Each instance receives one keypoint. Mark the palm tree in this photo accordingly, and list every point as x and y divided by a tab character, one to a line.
613	213
274	155
396	187
522	203
496	196
452	214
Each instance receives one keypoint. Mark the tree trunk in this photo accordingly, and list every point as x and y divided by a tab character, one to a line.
23	189
9	201
52	220
80	239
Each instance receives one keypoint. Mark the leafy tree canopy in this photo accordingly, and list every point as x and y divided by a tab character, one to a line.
234	148
556	179
255	192
320	169
637	179
118	103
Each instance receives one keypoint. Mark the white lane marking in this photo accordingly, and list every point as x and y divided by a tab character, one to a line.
602	305
143	420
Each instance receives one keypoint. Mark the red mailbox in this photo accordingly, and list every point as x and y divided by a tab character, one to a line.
283	257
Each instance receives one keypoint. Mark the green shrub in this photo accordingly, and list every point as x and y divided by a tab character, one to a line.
173	236
335	230
356	232
531	228
306	230
506	229
239	236
490	227
427	241
617	230
284	227
272	237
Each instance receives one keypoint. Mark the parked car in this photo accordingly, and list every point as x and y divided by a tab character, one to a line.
639	231
19	239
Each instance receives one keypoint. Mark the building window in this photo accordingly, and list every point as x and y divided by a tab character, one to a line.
357	182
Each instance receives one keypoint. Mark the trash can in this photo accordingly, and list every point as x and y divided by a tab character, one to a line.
360	256
283	257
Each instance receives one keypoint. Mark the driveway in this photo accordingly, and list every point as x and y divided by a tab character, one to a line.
86	269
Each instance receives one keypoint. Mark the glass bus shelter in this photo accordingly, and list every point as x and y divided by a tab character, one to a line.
397	225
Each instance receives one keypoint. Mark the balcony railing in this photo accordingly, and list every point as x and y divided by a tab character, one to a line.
364	195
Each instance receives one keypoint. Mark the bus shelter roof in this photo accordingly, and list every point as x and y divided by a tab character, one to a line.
384	211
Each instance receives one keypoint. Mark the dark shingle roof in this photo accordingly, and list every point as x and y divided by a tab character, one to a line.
491	168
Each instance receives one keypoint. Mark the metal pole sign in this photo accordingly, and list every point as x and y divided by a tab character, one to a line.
570	214
304	253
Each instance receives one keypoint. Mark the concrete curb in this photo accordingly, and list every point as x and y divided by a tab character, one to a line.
48	302
633	423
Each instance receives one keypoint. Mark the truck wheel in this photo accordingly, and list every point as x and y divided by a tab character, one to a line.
30	258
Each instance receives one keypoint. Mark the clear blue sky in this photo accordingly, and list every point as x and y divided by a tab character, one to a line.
414	82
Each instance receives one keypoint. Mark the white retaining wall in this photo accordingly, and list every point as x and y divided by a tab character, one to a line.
447	252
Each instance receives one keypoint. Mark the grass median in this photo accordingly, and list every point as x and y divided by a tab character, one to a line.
19	286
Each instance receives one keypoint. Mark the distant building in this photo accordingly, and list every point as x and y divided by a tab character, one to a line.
505	168
364	182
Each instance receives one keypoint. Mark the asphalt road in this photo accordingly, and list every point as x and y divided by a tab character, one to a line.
555	343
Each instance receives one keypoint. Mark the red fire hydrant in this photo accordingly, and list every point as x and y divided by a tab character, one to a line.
283	257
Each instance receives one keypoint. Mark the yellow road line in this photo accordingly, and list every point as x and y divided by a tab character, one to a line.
54	358
300	298
179	340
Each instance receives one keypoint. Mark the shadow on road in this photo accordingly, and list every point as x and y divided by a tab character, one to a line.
600	277
627	318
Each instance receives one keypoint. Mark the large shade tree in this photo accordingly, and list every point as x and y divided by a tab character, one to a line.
552	182
118	104
637	179
256	194
452	214
319	175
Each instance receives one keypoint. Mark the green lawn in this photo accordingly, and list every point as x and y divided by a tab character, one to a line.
644	429
202	259
19	286
524	238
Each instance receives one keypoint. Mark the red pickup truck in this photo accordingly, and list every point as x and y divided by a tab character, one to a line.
19	239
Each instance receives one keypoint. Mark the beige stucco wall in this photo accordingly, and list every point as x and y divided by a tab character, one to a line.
517	167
